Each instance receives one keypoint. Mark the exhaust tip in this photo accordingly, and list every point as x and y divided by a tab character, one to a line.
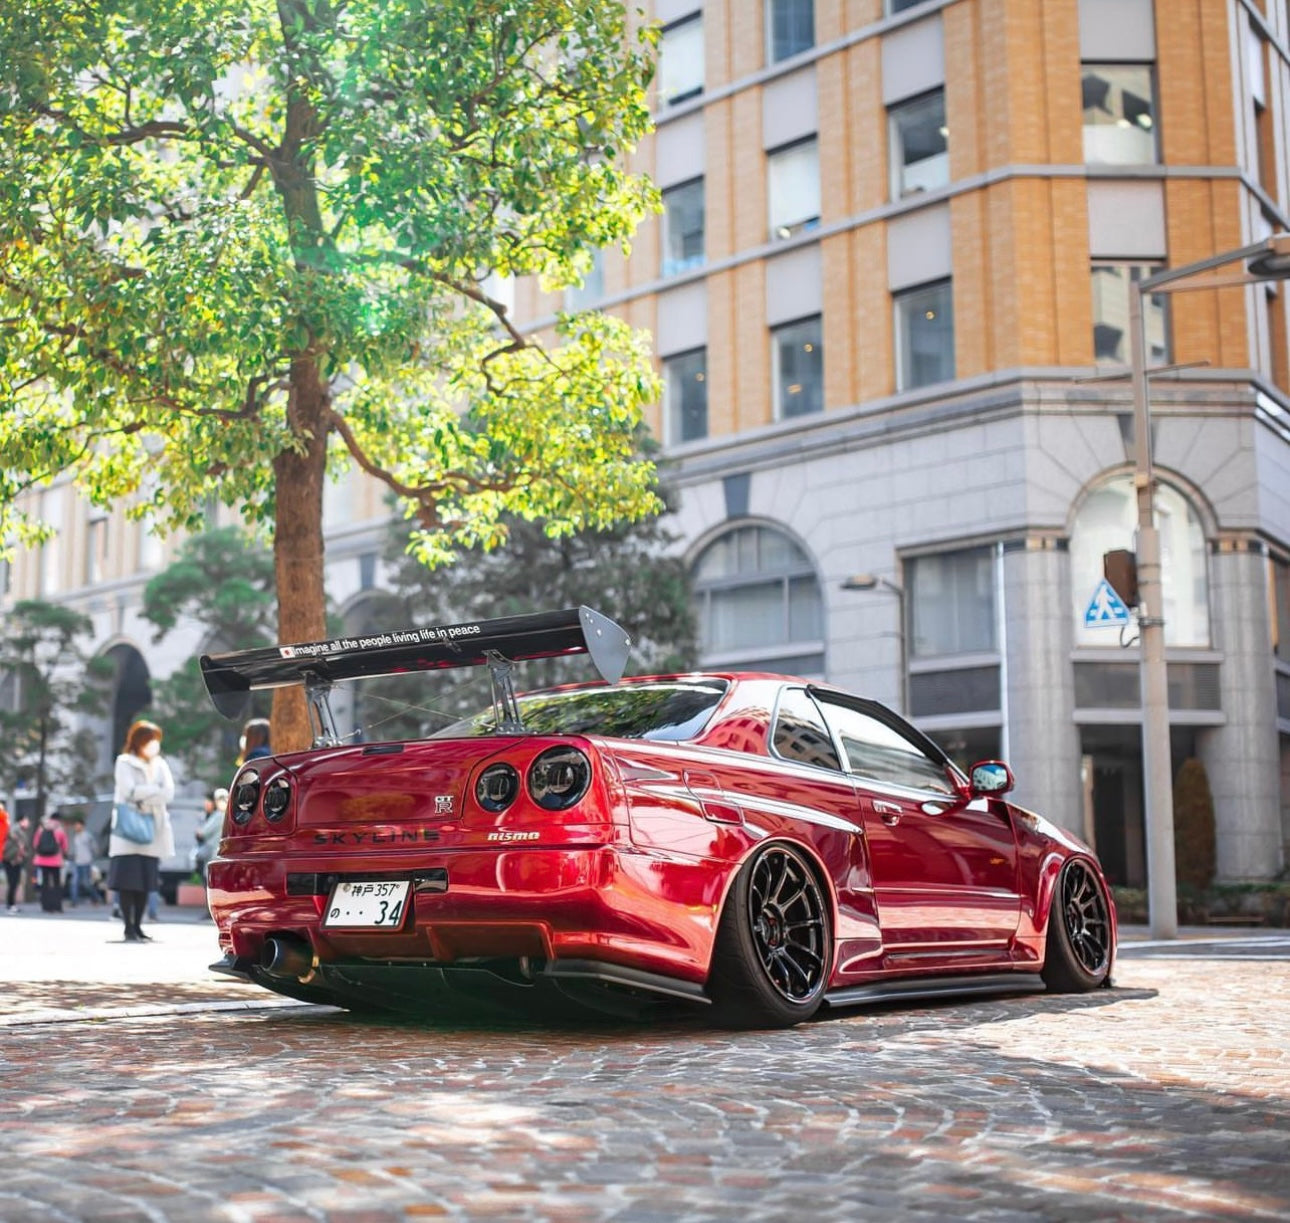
286	956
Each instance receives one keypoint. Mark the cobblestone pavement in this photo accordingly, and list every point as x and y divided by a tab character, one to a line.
140	1089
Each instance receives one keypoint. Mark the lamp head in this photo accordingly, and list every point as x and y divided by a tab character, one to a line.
1272	263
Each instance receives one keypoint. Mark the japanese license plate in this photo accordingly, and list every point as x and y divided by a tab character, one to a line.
377	904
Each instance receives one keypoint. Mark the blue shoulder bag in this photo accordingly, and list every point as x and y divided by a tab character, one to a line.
133	824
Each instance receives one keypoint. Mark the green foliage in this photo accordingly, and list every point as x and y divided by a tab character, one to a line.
224	580
48	685
1195	846
623	571
236	233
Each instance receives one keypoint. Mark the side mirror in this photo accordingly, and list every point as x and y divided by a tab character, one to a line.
991	777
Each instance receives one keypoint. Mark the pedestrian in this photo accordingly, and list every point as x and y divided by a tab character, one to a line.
144	781
255	740
4	823
82	862
51	851
17	849
208	834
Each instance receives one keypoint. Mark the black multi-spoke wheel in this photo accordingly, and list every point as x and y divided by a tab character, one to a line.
1080	942
774	947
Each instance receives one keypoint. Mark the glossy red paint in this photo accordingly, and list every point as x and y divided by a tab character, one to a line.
921	881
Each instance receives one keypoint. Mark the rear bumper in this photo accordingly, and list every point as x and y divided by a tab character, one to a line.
575	908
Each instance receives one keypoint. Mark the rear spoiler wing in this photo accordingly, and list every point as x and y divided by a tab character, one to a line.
231	678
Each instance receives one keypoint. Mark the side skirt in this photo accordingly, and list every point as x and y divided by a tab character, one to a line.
937	987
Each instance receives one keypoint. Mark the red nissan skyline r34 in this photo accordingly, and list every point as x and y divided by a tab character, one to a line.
752	843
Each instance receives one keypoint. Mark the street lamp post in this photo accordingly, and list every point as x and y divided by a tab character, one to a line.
1266	260
871	581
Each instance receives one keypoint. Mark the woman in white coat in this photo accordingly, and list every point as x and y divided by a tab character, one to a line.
142	779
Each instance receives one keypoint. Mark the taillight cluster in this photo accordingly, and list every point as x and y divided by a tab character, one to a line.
557	779
247	795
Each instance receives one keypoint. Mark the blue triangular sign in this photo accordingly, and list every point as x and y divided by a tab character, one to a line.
1105	608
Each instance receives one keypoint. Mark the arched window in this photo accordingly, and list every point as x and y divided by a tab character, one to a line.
1107	520
758	603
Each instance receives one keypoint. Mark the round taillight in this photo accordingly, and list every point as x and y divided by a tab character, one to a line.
497	787
277	798
245	796
559	777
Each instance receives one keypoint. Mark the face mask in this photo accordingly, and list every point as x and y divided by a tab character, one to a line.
152	749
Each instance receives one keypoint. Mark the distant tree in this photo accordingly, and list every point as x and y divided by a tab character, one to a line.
625	572
223	579
1195	842
51	685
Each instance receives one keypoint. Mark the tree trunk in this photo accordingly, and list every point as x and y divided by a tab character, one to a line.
298	542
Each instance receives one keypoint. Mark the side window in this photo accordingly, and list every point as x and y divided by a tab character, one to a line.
800	733
876	752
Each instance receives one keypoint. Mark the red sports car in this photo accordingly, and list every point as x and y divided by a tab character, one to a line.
754	843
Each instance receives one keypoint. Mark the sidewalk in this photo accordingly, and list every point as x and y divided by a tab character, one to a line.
76	965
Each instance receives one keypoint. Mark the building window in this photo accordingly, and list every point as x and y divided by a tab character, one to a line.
1112	289
924	336
1264	134
797	358
1119	114
1281	604
793	188
680	61
50	568
592	288
1107	520
758	602
899	6
951	604
685	386
682	227
920	159
96	542
791	28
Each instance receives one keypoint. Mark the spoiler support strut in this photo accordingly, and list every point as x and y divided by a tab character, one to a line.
318	694
506	709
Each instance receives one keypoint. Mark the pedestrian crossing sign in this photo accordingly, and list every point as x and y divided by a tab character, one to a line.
1105	609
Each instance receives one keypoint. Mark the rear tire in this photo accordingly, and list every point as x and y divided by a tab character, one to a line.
1078	958
774	946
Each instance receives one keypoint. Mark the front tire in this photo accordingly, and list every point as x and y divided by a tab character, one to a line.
774	946
1078	957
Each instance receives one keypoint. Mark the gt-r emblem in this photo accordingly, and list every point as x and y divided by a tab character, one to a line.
443	804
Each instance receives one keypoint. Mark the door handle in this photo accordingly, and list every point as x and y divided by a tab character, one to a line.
889	812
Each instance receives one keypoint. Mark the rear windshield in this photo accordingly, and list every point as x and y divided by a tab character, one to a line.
673	711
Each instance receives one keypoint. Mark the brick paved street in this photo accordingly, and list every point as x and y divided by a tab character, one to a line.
135	1086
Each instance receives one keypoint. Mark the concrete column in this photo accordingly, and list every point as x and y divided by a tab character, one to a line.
1043	741
1241	757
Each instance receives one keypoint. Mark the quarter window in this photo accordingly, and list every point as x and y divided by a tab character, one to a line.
797	357
758	602
924	336
800	733
877	752
920	159
1119	114
683	222
792	27
793	188
685	383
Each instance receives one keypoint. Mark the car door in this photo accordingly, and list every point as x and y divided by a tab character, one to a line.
944	868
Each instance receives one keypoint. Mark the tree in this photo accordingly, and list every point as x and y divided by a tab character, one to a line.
50	684
223	579
1195	843
241	240
623	571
